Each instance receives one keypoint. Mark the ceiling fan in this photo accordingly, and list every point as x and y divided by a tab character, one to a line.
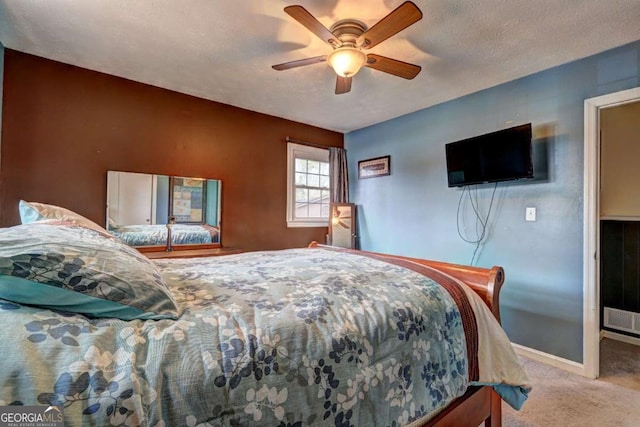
349	38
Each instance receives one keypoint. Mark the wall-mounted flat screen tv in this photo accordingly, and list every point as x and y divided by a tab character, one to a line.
498	156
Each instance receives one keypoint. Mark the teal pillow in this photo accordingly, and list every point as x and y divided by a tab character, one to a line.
72	268
28	213
33	211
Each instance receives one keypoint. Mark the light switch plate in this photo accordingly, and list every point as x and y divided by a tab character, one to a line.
530	214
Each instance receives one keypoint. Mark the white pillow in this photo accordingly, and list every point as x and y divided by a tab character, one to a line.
33	211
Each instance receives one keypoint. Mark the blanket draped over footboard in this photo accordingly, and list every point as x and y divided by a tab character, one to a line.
296	337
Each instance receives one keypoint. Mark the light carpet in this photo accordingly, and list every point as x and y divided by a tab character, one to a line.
562	399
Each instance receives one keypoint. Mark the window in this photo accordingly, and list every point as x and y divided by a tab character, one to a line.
307	186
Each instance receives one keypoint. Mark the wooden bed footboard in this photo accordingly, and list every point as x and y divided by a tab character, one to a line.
479	404
486	282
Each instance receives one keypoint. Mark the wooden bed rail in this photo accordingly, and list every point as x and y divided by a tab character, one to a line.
486	282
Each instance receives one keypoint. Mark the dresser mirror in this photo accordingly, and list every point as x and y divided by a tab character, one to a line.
139	207
342	226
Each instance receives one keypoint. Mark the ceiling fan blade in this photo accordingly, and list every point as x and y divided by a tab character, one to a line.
299	63
303	16
399	19
343	85
392	66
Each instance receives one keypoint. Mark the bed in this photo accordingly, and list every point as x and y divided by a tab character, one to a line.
156	234
309	336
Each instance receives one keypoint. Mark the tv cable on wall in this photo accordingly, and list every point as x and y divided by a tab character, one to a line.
481	223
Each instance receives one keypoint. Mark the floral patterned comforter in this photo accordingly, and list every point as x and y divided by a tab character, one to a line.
297	337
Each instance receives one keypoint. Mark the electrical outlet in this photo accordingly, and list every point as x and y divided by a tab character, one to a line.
530	214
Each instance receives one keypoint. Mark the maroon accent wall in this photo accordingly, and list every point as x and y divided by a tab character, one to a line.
64	127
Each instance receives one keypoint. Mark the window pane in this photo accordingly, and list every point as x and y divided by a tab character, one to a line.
302	211
313	180
301	165
315	196
313	166
325	196
302	195
325	210
324	168
301	179
315	210
324	181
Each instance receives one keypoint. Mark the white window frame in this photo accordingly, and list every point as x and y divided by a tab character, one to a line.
311	153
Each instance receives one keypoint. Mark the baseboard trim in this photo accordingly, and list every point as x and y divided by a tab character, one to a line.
550	359
619	337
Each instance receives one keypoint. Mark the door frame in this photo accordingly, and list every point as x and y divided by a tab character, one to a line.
591	256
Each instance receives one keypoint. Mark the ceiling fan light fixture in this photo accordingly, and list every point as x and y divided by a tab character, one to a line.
346	61
350	38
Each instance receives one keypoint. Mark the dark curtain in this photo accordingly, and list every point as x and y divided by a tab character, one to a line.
338	176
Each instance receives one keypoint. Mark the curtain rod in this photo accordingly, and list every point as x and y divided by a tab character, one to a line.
310	144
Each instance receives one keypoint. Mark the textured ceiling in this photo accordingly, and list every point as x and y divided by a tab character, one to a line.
223	50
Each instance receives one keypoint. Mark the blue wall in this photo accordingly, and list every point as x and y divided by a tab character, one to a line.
213	195
412	212
162	199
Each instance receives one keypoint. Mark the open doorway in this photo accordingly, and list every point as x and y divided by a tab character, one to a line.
591	255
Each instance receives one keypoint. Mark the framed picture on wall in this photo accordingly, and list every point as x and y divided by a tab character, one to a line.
188	200
371	168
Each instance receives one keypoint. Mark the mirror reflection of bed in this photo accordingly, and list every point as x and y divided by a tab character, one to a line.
139	207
